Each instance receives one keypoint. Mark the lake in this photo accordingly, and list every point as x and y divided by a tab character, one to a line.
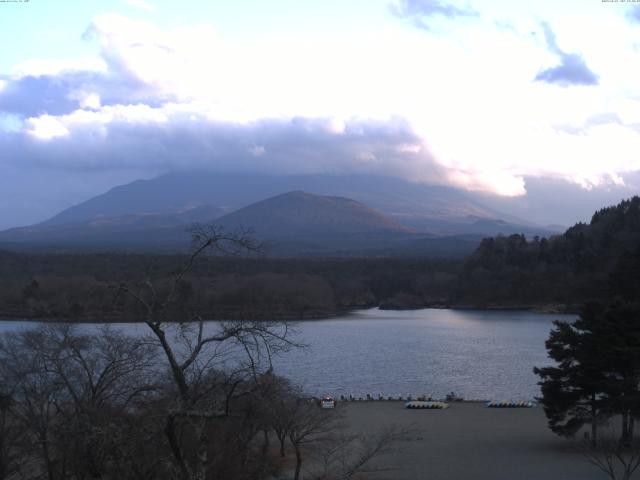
477	354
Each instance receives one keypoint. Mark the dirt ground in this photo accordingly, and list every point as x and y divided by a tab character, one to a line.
471	441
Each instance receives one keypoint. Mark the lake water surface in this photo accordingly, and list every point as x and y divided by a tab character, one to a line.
478	354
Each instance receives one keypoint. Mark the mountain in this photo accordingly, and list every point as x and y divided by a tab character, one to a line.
300	222
427	208
175	191
301	213
294	223
358	214
130	231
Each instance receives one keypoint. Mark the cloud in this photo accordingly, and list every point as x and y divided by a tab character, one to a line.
634	14
419	11
164	101
33	95
181	137
138	63
140	4
165	64
541	204
572	69
445	111
38	67
430	8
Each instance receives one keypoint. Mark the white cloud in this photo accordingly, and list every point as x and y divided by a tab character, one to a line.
174	62
140	4
460	102
42	67
46	127
90	100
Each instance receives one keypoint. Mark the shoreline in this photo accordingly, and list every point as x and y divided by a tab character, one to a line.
302	316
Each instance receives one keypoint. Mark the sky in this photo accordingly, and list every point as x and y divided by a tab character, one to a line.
480	95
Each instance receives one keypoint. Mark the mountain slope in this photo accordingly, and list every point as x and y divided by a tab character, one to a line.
294	223
301	213
299	222
137	231
425	207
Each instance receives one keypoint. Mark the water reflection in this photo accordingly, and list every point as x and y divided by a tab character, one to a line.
479	354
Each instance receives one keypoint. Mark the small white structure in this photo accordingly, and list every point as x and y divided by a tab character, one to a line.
327	402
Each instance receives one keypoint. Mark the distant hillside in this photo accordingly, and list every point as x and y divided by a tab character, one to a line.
295	223
299	223
426	208
400	217
568	268
300	214
137	232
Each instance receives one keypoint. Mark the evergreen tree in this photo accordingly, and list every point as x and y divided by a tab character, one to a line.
572	391
617	331
598	370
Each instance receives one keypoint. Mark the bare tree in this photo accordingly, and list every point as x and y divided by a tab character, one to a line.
310	424
335	453
343	456
10	435
101	374
194	351
70	393
35	392
281	405
616	458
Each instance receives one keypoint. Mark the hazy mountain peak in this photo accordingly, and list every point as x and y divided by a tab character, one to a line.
297	212
172	192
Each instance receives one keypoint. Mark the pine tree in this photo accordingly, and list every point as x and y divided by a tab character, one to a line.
572	391
598	370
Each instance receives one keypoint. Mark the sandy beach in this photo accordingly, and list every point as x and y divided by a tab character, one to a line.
470	441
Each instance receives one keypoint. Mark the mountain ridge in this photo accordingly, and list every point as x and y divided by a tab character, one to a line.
172	191
398	215
293	223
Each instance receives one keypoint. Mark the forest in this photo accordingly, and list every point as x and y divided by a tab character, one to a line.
551	274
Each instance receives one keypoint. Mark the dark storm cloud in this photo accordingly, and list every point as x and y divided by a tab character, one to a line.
419	11
572	69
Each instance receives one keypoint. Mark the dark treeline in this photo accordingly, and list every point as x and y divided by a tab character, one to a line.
560	273
80	286
567	269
